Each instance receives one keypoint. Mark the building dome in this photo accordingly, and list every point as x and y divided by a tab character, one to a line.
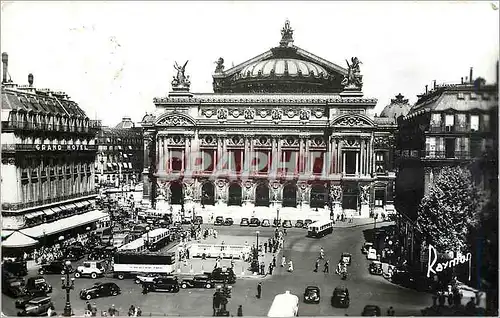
281	67
398	107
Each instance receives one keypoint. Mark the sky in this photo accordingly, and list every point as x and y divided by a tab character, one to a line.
113	58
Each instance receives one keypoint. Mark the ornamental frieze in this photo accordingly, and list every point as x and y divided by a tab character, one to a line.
263	113
235	141
291	113
264	100
236	113
249	114
208	140
350	142
318	113
208	112
305	114
290	141
222	114
175	120
263	141
276	115
176	140
352	121
383	141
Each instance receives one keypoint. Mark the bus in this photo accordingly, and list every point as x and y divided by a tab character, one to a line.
157	239
284	305
129	264
320	228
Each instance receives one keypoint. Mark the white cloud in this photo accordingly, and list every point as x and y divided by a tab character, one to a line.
114	57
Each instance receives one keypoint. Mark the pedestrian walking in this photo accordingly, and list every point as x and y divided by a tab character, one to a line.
259	290
88	306
131	311
283	261
290	266
284	232
262	268
138	312
270	269
327	265
265	247
390	311
274	260
93	310
316	265
240	311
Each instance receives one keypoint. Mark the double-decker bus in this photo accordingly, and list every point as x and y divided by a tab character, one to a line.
156	239
129	264
320	228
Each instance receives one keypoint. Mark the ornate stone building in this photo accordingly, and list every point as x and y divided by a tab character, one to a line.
286	129
48	154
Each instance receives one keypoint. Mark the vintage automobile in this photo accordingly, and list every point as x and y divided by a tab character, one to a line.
13	287
219	220
222	275
198	281
371	310
340	297
254	222
91	269
287	223
162	284
371	255
244	222
100	290
366	247
198	220
23	301
142	278
307	222
17	268
186	220
265	223
54	267
346	258
37	283
229	222
276	222
37	307
312	295
375	268
299	224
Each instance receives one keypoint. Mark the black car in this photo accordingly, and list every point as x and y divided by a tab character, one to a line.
37	283
37	307
162	284
17	268
14	287
229	221
402	276
375	268
100	290
23	301
219	220
254	222
276	223
55	267
198	220
299	224
306	223
244	222
198	281
312	295
287	223
371	310
221	275
340	297
265	223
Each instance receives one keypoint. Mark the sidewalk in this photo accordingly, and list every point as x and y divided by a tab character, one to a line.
360	222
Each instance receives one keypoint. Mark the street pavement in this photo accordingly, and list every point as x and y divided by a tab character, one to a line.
364	288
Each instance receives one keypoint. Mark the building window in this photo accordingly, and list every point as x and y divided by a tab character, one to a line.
486	122
449	122
436	120
462	122
379	162
379	198
318	159
262	161
176	160
430	147
208	160
474	122
235	160
450	148
289	164
350	162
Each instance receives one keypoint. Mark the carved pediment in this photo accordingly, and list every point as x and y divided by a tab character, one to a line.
263	141
175	120
235	141
208	140
352	120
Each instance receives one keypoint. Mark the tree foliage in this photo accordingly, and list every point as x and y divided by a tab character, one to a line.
450	209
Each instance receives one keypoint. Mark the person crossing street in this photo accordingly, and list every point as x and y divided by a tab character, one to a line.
316	265
259	290
327	265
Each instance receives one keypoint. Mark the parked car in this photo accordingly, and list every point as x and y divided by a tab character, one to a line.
219	220
402	276
17	268
244	222
100	290
162	284
198	281
37	283
346	258
142	278
221	275
371	310
340	297
372	254
276	222
24	300
366	247
299	224
229	222
254	222
312	295
55	267
91	269
198	220
14	287
186	220
307	222
37	307
265	223
287	223
375	268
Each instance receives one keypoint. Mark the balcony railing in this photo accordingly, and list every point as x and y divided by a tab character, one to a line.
447	155
465	128
20	206
41	126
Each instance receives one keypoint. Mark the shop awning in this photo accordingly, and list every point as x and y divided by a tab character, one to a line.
129	165
48	212
6	233
56	209
63	224
79	204
18	239
33	214
70	206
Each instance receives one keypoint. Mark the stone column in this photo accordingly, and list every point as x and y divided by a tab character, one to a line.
307	157
357	163
301	154
246	151
280	155
343	163
340	156
252	155
363	157
274	154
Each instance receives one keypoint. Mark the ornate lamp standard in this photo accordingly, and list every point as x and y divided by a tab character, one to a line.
257	246
147	236
67	284
277	217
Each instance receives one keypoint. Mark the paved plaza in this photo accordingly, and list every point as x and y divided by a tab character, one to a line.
347	237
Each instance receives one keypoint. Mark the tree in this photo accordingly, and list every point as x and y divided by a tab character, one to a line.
450	210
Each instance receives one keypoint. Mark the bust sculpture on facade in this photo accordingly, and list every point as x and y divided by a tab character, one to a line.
181	80
353	79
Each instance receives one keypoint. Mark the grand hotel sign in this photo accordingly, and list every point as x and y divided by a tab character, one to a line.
48	147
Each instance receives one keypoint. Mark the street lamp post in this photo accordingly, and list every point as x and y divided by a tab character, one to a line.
257	247
277	217
67	284
147	237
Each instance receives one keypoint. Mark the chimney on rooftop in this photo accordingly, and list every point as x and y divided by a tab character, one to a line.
426	89
30	79
5	62
461	80
470	75
434	84
497	73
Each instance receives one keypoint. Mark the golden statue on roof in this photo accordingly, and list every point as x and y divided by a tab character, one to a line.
286	35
